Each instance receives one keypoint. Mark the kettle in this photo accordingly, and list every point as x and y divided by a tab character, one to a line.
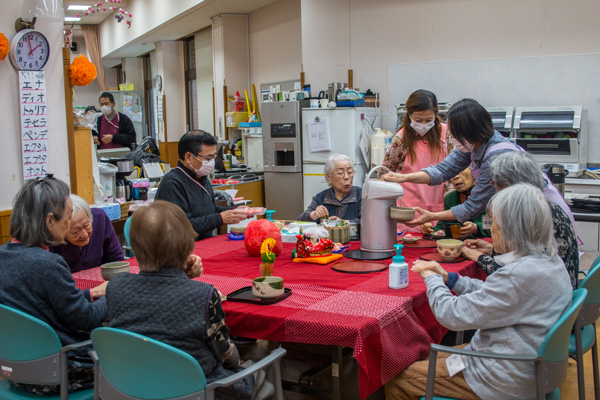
556	173
378	230
334	89
124	189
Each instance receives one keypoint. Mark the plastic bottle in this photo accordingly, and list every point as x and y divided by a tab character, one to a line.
398	271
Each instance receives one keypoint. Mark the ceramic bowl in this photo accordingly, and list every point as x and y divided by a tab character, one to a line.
267	286
402	214
449	249
109	270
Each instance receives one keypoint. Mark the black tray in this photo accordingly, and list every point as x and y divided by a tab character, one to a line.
244	295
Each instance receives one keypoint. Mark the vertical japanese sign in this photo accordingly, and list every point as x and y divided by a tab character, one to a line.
34	126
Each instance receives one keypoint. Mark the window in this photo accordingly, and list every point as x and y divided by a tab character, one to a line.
191	88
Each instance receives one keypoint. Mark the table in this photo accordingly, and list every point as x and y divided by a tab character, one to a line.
387	329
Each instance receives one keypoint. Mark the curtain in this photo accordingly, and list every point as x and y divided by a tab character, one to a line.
92	43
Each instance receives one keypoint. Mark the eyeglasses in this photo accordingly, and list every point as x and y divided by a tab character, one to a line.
207	157
340	173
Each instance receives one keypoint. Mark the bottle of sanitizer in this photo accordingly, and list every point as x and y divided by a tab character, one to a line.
398	271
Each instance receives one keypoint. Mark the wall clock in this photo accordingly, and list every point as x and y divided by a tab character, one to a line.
158	83
29	50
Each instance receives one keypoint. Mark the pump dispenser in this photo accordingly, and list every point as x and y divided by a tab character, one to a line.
270	215
398	271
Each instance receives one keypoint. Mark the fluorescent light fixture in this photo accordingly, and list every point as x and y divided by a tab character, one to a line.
72	19
78	8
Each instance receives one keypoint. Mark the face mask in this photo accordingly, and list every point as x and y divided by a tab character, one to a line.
465	149
106	110
420	128
206	168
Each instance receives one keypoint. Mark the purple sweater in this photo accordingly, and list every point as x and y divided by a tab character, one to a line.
103	247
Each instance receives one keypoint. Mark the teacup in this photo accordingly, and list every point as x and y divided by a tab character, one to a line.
449	249
452	230
267	286
109	270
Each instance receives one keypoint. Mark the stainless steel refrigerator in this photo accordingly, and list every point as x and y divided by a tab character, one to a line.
282	152
328	131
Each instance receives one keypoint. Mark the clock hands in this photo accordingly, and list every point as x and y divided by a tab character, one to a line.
32	50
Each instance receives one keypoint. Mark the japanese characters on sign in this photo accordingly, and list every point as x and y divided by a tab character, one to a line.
34	125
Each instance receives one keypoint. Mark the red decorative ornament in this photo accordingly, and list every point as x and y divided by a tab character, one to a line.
255	234
124	14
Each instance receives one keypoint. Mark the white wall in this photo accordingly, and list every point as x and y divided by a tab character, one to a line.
275	43
204	79
147	15
367	36
169	61
11	177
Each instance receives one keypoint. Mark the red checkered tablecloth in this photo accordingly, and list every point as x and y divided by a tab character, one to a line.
388	329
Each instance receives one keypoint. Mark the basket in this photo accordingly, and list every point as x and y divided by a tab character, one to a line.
339	234
125	209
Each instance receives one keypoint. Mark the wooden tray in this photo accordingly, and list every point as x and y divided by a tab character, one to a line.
358	267
421	243
244	295
436	257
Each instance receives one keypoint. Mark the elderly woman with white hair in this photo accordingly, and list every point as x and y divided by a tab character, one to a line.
519	167
342	199
91	241
512	310
39	283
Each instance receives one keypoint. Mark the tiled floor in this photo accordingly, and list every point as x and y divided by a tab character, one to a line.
300	359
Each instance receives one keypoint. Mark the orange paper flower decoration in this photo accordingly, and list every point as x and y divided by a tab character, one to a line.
82	71
4	46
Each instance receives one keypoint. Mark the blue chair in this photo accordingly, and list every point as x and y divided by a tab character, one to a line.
30	352
550	363
584	337
132	366
126	229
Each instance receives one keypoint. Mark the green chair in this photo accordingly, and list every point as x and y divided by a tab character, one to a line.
550	363
126	229
30	352
132	366
584	337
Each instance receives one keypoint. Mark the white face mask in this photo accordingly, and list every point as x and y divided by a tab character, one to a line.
206	168
467	148
106	110
420	128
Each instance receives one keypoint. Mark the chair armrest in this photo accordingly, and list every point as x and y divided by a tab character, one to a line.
270	359
472	353
64	366
75	346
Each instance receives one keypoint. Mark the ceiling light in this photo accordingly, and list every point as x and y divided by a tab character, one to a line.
78	8
72	19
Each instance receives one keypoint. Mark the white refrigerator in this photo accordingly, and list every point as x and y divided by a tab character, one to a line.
328	131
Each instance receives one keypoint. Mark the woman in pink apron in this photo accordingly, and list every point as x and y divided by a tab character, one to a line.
476	145
420	142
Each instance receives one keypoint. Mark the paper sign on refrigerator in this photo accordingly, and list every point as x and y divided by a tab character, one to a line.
318	135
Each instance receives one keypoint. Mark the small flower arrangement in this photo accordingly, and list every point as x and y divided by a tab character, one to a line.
4	46
82	71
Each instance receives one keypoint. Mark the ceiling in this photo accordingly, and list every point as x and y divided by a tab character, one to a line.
193	20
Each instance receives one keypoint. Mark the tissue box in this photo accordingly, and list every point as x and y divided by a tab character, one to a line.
113	210
288	238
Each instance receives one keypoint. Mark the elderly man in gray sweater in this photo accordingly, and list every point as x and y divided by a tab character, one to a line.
513	309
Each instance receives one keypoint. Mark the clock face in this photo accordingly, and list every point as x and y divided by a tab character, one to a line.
29	50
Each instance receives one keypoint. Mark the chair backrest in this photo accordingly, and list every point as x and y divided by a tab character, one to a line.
126	229
555	347
592	284
25	338
141	367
